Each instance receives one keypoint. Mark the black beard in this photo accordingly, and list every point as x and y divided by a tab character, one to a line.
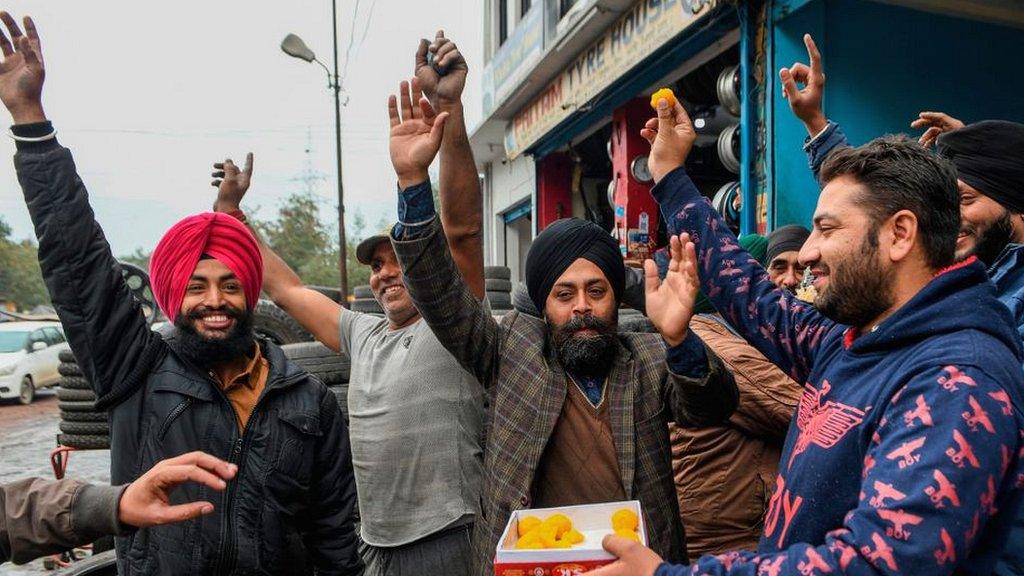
857	292
994	239
210	352
587	356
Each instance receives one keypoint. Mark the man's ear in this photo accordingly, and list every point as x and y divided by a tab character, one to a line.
903	227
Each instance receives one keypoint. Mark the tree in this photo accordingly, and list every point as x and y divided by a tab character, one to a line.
21	281
299	236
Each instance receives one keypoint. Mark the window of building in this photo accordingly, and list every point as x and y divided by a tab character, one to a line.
524	7
502	21
565	6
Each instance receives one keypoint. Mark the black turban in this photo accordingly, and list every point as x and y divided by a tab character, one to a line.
786	239
561	244
989	156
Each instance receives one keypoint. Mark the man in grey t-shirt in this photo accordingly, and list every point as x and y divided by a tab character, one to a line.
416	418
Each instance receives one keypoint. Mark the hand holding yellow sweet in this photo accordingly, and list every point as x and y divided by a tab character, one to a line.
665	93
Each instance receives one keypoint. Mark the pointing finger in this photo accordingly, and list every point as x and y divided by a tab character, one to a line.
813	54
405	101
417	95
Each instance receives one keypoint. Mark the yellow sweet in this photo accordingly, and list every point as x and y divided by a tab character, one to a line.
548	535
627	534
528	523
573	536
561	523
665	93
625	519
530	541
561	543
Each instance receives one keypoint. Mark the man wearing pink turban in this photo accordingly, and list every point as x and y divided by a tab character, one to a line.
209	385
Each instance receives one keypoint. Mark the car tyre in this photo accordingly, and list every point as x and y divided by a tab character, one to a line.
27	391
83	416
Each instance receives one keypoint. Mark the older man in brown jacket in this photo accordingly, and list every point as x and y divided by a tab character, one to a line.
578	413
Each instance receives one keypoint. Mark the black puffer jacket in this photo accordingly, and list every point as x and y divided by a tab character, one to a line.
290	508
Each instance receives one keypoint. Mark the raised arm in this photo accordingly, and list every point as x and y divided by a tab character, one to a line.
458	319
104	324
782	328
441	71
317	313
699	389
823	136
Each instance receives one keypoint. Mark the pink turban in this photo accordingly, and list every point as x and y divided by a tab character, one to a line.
217	235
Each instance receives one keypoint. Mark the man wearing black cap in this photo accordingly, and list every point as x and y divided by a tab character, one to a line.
579	413
416	416
784	268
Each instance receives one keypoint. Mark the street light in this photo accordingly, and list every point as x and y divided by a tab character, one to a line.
293	46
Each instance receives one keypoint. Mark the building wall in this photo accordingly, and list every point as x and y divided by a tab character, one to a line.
883	65
508	185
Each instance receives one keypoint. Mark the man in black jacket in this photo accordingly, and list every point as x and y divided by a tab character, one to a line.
210	386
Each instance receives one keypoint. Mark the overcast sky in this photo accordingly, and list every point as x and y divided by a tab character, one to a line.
148	95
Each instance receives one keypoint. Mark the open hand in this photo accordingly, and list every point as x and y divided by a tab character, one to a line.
22	71
146	501
415	134
634	559
671	136
231	183
936	123
670	302
806	102
445	88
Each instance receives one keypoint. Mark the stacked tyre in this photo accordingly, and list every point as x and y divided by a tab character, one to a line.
365	302
498	285
326	365
81	425
276	325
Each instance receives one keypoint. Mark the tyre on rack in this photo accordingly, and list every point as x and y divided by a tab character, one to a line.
497	285
499	301
276	325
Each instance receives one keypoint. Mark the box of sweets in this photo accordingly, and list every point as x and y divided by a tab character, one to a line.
569	550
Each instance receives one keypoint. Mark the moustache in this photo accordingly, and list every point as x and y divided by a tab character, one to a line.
201	311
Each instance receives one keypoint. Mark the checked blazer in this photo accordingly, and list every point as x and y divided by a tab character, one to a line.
527	388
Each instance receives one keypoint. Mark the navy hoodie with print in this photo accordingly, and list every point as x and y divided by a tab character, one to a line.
905	452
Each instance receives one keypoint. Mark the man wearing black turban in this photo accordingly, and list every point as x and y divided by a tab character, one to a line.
579	412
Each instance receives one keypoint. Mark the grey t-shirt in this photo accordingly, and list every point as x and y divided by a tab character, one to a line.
416	422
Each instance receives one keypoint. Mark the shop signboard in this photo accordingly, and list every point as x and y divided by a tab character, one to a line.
514	60
642	30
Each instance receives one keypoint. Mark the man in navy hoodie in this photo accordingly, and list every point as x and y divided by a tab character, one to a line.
905	453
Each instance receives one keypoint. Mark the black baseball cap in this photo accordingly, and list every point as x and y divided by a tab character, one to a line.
364	251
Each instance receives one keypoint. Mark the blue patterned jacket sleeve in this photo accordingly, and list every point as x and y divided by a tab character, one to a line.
925	501
819	147
784	329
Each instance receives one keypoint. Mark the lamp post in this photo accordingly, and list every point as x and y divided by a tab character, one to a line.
293	46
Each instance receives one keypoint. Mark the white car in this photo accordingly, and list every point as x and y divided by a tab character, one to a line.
28	358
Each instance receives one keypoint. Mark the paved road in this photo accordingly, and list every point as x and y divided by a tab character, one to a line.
27	434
